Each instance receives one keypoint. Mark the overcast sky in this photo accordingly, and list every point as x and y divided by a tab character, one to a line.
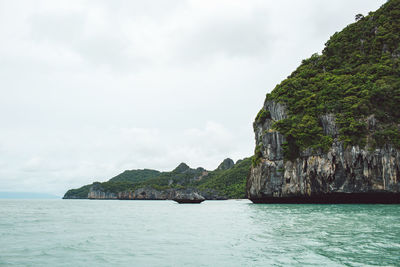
89	89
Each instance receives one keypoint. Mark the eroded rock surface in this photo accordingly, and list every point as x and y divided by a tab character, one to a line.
342	175
148	193
188	196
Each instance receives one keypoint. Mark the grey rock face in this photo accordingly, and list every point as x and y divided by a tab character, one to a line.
329	124
277	110
149	193
341	173
98	194
188	195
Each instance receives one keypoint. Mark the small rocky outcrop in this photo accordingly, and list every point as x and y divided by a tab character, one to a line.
341	175
188	196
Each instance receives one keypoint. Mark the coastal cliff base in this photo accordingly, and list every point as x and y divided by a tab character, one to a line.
340	175
334	198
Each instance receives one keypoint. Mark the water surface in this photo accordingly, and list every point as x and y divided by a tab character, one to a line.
214	233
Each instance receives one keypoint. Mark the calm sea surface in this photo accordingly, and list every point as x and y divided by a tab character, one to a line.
214	233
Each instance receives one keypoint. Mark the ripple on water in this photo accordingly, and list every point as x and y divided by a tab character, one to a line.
218	233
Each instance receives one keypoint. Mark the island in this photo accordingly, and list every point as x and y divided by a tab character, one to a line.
227	181
330	132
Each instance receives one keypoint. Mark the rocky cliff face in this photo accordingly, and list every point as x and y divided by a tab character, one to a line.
148	193
98	194
341	175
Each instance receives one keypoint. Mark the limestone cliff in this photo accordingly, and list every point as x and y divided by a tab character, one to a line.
330	132
147	193
341	175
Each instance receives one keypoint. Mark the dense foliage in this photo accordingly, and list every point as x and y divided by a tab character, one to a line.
135	175
228	183
357	75
263	115
81	192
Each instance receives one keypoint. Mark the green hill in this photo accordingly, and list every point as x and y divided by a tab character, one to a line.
356	76
135	176
227	181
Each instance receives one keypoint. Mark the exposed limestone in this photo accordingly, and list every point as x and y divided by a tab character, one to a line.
341	175
329	124
149	193
98	194
188	196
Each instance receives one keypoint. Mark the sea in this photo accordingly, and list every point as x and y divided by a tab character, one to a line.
213	233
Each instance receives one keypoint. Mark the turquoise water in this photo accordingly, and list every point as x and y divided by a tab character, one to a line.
214	233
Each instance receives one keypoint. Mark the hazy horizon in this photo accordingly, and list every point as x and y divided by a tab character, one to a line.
90	89
27	195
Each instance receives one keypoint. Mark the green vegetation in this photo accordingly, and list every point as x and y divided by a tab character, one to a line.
230	183
81	192
127	180
135	176
263	115
357	75
388	135
256	159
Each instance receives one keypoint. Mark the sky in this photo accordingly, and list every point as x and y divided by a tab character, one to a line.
89	89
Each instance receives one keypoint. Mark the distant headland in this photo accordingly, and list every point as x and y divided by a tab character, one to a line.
226	181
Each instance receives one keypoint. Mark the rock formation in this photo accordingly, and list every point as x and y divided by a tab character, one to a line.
188	196
342	175
148	193
330	132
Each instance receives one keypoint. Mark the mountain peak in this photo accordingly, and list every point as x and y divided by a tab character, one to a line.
181	168
226	164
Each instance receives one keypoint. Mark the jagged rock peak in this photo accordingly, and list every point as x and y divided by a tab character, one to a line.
226	164
181	168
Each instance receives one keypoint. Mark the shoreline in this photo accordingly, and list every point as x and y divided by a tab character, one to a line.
334	198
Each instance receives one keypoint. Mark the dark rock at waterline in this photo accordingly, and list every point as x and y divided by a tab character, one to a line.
189	201
188	196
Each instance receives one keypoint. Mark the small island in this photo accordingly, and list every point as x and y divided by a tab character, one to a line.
330	132
188	197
